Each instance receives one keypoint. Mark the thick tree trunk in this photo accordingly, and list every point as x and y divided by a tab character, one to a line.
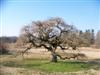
54	57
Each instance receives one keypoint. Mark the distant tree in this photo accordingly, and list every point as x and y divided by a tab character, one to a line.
82	39
97	41
50	34
92	36
80	32
6	39
87	37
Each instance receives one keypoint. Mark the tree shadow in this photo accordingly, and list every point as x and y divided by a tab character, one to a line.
94	61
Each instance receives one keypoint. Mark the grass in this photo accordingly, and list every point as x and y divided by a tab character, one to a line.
61	66
46	66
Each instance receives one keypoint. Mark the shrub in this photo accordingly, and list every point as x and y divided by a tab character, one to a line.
3	48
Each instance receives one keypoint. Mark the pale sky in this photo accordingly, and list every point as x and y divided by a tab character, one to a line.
14	14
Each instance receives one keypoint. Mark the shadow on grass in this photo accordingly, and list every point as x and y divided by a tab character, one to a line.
94	61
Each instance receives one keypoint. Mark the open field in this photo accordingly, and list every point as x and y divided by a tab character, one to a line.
37	62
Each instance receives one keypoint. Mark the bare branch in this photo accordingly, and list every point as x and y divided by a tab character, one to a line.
50	34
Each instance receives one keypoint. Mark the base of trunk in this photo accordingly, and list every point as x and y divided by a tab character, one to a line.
54	58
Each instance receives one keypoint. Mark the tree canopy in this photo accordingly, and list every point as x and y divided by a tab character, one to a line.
50	34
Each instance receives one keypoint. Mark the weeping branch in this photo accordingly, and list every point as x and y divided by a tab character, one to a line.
28	48
63	48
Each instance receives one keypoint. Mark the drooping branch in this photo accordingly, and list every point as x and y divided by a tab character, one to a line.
28	48
63	48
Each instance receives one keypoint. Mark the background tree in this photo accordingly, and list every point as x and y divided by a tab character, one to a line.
92	37
87	37
50	34
97	41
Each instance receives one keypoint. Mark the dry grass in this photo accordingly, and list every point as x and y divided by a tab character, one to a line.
93	54
21	71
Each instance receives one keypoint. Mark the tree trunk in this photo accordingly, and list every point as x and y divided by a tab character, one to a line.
54	57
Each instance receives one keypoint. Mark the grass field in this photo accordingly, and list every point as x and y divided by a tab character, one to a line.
60	66
47	66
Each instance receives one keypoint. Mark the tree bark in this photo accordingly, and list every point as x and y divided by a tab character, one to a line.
54	57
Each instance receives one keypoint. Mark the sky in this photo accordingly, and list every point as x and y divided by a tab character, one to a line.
14	14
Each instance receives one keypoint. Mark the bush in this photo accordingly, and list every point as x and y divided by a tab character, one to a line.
3	48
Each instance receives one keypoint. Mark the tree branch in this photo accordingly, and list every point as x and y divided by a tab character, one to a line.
63	48
27	49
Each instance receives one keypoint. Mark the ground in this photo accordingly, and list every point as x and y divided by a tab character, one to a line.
36	62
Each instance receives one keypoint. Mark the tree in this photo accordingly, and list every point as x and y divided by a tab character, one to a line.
50	34
92	36
97	41
87	37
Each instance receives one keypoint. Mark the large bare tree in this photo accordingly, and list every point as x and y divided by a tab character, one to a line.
50	34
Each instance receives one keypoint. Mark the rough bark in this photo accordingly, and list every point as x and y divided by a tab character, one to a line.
54	57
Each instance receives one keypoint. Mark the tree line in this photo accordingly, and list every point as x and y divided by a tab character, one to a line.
4	42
